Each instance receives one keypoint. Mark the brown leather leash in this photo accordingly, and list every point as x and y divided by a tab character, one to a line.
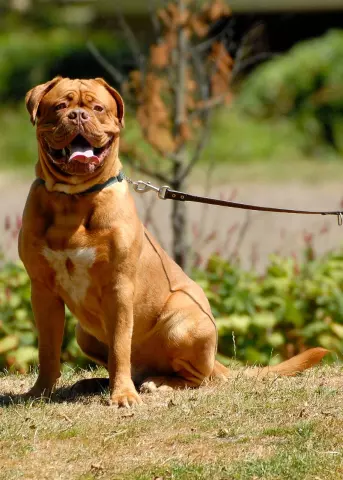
166	193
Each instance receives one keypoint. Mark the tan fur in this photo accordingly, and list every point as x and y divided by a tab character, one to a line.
288	368
139	314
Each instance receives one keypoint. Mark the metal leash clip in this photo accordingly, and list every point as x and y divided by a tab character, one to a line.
142	187
339	218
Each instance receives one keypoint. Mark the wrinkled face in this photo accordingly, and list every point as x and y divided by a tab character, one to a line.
77	123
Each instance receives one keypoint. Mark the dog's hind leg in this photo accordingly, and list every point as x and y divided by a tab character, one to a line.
188	339
192	367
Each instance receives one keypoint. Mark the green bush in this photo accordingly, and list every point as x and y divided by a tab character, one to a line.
18	335
305	84
290	308
29	57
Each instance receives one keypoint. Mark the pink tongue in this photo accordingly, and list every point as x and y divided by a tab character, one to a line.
83	155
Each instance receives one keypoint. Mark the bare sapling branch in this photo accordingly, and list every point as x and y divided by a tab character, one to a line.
184	77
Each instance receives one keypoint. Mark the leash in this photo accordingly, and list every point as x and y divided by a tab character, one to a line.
166	193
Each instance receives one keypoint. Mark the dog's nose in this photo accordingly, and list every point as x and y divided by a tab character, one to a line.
78	114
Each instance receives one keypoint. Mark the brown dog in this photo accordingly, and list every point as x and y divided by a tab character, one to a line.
83	245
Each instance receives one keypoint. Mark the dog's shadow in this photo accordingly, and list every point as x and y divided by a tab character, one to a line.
79	391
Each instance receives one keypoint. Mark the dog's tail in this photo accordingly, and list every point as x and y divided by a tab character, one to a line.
289	368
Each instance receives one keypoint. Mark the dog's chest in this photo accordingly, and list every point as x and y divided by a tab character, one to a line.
72	270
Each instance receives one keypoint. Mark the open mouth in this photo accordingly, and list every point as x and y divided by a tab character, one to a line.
81	151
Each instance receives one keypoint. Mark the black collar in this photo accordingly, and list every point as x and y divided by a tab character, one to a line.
95	188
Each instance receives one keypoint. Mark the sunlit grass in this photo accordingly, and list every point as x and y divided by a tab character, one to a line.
286	428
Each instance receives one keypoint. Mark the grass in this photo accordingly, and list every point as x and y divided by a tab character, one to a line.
18	143
285	428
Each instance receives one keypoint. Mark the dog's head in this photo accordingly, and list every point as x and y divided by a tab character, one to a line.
78	124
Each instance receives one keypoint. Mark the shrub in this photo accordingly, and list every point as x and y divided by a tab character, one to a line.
29	57
306	85
288	309
18	335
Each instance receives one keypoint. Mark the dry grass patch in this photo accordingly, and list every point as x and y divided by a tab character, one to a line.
286	428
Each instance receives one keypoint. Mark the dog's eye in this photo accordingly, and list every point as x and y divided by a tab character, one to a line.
98	108
61	106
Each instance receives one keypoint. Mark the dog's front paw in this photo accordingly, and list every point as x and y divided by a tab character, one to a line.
125	398
37	393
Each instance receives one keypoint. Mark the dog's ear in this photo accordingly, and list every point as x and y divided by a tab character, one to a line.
35	95
117	98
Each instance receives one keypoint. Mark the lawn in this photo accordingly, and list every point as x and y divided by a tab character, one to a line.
284	428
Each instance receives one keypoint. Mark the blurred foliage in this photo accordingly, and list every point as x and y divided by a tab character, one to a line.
18	336
290	308
291	107
39	40
19	145
28	58
306	85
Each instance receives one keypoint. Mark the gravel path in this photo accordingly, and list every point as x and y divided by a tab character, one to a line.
265	232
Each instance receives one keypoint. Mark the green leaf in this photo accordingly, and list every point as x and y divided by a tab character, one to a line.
8	343
337	329
313	329
233	323
264	320
329	342
275	339
25	355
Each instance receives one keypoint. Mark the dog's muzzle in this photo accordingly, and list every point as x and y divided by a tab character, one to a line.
79	150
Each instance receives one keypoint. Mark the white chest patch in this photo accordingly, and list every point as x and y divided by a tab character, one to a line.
71	267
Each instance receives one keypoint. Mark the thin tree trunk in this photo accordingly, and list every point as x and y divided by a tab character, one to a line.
179	225
179	218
